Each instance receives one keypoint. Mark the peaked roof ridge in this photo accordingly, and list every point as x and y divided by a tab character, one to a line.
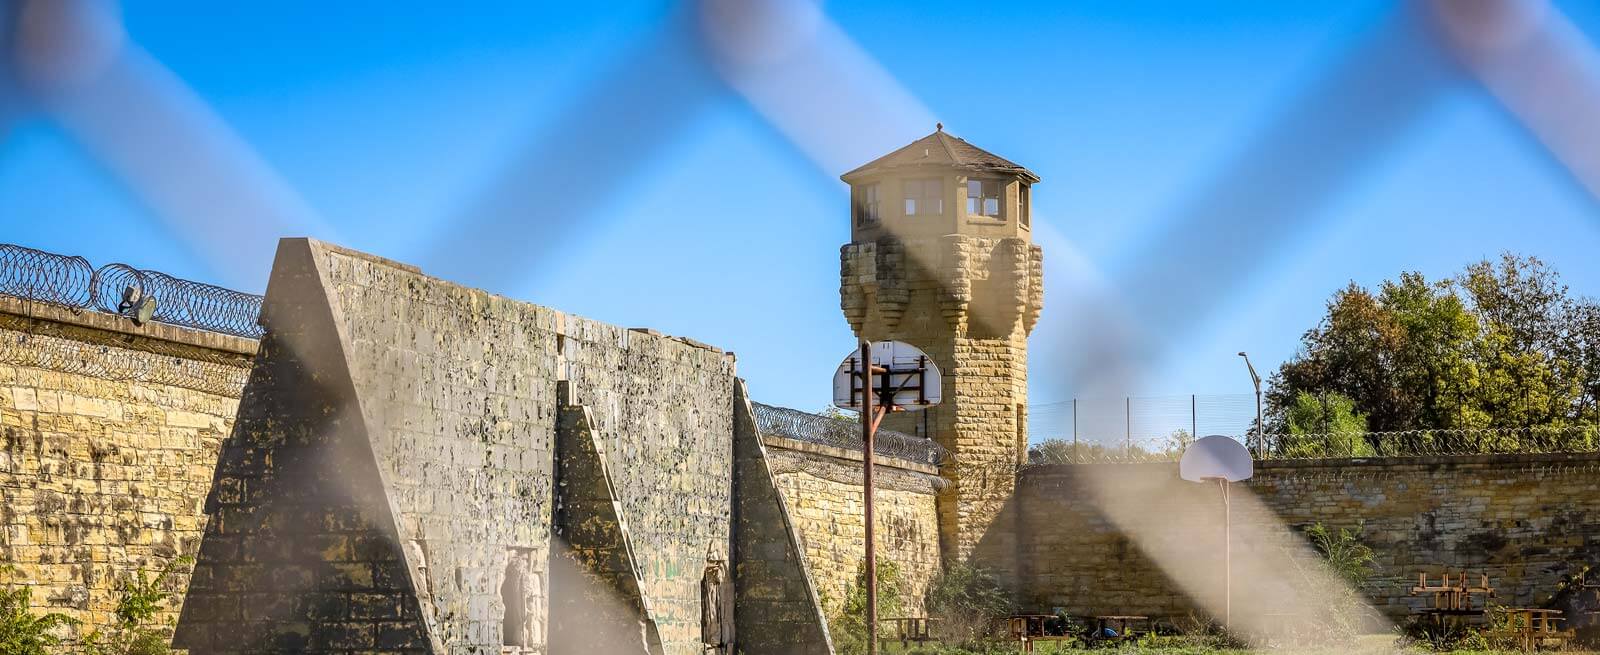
960	152
944	140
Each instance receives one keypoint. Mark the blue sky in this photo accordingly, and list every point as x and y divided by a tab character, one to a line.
387	124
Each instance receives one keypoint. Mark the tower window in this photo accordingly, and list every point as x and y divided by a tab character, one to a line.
1022	204
983	197
924	197
866	204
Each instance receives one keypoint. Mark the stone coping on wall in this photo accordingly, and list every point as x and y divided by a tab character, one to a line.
846	454
1424	461
104	322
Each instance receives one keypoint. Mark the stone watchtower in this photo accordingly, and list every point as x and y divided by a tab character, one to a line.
941	256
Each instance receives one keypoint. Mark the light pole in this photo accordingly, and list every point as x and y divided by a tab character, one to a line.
1256	380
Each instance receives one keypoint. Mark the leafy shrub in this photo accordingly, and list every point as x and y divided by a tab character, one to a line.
847	620
965	603
21	631
142	597
1344	553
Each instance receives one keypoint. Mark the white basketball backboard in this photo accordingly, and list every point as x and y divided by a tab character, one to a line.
1216	457
912	377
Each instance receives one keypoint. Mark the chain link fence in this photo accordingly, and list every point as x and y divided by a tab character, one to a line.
843	432
1336	445
120	289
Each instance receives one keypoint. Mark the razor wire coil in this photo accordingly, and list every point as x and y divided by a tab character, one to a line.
45	276
844	433
120	289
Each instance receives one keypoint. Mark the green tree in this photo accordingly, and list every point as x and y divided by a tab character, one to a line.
1503	344
1324	425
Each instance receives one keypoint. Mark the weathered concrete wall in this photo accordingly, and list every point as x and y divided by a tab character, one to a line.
105	460
821	487
390	485
1526	521
777	606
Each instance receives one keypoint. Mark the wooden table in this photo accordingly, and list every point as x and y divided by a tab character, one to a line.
1535	626
1028	629
1455	599
910	629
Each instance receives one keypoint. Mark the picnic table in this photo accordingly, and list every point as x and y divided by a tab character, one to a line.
1454	597
909	629
1535	626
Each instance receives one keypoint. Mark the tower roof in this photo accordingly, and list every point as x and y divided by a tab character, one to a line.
941	149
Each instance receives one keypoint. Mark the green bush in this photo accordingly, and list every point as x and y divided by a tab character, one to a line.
965	603
847	619
1344	553
21	631
133	634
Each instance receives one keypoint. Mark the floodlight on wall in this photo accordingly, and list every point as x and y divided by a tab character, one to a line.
137	305
1224	461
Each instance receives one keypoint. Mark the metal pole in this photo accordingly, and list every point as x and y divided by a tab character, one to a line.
1194	420
1261	439
868	431
1227	560
1127	425
1074	427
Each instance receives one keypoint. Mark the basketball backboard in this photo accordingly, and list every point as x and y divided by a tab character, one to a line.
912	379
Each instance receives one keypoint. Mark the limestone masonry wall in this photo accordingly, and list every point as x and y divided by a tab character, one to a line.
1525	520
821	486
969	302
104	465
391	484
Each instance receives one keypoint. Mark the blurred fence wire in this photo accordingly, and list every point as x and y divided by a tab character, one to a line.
120	289
844	432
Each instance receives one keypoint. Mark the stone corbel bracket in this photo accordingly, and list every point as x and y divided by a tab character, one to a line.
1030	316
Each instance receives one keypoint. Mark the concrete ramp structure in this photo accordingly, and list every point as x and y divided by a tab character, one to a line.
421	467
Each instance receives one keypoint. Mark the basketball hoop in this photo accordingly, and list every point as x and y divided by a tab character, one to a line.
882	377
1222	460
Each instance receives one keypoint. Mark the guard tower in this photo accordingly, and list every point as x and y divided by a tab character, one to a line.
941	256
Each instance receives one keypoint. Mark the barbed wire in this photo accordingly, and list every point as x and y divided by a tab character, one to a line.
844	433
120	289
1338	445
45	276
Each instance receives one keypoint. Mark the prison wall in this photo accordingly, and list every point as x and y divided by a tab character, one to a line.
391	483
110	434
1106	539
821	487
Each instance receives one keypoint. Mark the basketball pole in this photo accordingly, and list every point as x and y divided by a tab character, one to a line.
870	416
1227	559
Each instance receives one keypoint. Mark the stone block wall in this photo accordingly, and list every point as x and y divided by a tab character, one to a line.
821	488
777	606
109	434
969	302
1092	536
390	484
